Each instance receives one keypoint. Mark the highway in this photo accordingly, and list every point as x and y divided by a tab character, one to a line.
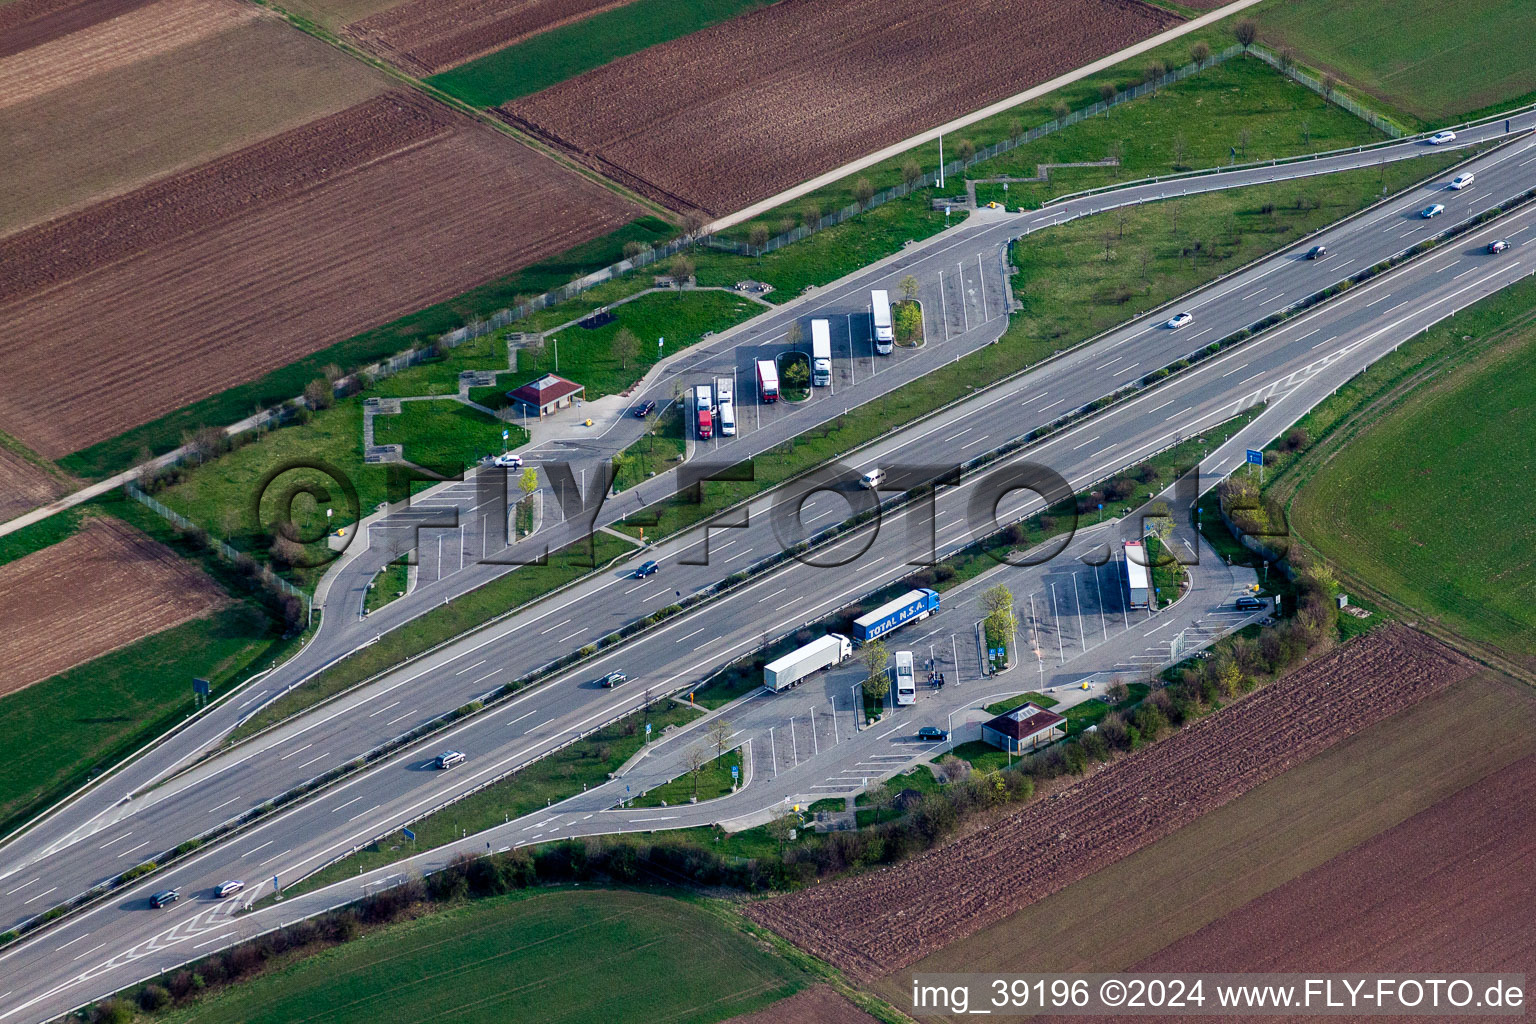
1291	367
521	643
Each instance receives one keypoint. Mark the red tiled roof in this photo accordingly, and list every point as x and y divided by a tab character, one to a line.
1025	721
548	388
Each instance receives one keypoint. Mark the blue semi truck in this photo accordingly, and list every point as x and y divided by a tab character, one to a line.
913	605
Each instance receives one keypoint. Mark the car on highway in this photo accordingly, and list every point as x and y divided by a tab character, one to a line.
1178	320
1317	252
646	569
507	460
1498	245
613	679
932	733
1432	210
1461	181
1441	138
165	898
644	409
447	759
228	888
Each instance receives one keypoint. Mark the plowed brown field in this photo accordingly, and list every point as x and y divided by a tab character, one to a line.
819	1004
188	286
24	486
730	115
28	23
428	36
137	35
100	589
878	922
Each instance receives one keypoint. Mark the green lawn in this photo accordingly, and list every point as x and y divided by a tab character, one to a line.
681	318
569	956
551	779
165	433
446	434
42	534
1038	699
389	584
714	780
1429	505
1436	61
658	451
527	67
1243	104
76	724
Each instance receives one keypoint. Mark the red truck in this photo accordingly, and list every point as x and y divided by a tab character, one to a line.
702	407
767	381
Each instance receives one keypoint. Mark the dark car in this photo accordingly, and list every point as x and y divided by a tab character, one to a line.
933	733
1498	245
646	569
613	679
166	898
1249	604
1317	252
644	409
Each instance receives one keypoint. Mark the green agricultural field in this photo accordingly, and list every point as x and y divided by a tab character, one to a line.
1436	61
1242	105
167	432
446	433
567	956
560	53
588	356
1430	505
82	721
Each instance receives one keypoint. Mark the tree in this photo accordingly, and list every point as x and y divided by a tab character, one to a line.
781	828
694	760
876	656
757	236
911	170
625	347
1330	83
1118	692
1246	31
997	598
681	269
1059	110
529	481
1243	138
1015	128
810	214
908	286
1200	51
1229	677
1180	150
794	334
286	550
881	797
1107	93
863	191
1155	69
1306	131
719	735
965	149
1115	151
952	769
633	249
1287	58
909	320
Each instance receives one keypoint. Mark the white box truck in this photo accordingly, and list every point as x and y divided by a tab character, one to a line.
725	406
880	308
906	681
832	649
821	353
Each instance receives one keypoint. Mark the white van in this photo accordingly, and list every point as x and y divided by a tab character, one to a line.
906	682
727	418
1461	181
873	479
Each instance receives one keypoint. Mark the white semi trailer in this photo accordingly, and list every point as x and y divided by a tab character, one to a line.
832	649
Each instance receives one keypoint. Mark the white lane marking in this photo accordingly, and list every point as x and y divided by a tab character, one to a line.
23	885
299	751
125	835
556	626
40	895
408	714
385	708
312	760
139	847
466	668
258	849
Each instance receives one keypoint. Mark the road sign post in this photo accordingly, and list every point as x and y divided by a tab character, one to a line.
1256	458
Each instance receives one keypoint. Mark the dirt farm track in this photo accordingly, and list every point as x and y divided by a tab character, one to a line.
734	113
106	586
878	922
142	303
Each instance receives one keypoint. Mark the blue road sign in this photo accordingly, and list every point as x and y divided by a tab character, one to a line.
408	834
200	687
506	434
735	772
647	728
1255	458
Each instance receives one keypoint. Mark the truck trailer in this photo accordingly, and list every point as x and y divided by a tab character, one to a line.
767	381
1137	579
832	649
821	353
909	607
